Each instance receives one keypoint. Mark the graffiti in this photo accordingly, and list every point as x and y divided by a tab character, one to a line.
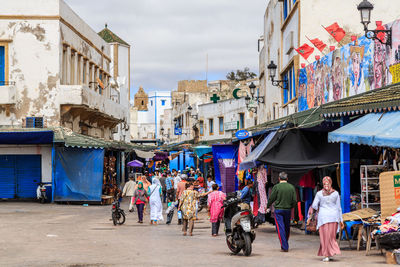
355	68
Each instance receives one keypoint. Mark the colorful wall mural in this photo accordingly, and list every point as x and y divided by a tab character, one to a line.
355	68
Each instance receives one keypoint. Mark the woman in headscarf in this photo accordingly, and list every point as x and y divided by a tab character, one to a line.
187	205
215	202
327	203
155	193
140	199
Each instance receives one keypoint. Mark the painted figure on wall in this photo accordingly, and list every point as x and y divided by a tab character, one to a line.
380	68
336	75
356	73
310	86
303	90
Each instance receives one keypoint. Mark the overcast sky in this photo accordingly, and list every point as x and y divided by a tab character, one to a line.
171	38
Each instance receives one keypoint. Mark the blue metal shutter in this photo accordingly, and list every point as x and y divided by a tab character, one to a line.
28	173
2	65
7	176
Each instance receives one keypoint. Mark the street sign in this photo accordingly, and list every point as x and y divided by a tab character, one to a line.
231	126
178	131
242	134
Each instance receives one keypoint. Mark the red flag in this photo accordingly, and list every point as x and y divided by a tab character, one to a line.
317	58
318	44
305	50
337	33
303	65
381	36
353	38
332	47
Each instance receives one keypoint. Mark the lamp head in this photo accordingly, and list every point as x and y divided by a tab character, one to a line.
365	9
252	89
272	69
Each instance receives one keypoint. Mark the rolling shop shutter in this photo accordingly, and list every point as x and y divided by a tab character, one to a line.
19	175
7	176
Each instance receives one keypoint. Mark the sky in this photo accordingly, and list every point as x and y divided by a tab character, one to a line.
170	39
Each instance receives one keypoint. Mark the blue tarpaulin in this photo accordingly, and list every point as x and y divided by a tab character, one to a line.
201	150
251	161
221	152
78	174
33	137
374	129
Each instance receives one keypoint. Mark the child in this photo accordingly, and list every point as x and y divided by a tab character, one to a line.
170	210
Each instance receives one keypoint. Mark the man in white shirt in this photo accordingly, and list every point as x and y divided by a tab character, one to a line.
129	190
177	179
210	182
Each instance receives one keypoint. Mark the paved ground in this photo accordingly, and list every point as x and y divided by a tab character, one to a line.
59	235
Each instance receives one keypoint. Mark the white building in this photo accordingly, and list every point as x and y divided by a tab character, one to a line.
287	25
221	120
150	112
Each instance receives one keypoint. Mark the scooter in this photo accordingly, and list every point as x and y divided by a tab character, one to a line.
239	229
41	193
202	203
117	214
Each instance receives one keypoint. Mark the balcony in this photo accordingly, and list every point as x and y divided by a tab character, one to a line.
8	93
84	98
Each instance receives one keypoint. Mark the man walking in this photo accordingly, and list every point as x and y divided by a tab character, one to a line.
284	196
129	190
169	184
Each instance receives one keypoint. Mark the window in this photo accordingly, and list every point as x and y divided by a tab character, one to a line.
241	121
285	8
34	122
101	80
163	102
142	102
64	79
90	74
72	81
221	125
211	126
79	73
201	128
84	79
289	93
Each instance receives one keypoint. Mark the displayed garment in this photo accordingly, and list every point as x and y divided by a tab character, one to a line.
262	181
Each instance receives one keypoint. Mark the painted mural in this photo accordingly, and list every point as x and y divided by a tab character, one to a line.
355	68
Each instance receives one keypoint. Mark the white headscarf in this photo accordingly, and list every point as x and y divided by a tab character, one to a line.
156	181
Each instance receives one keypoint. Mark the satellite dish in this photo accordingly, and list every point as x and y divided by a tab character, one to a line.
235	93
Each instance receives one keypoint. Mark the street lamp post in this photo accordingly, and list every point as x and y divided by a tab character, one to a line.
196	117
365	9
272	72
259	99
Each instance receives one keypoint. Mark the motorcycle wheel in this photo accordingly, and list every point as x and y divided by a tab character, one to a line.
114	218
235	249
121	219
247	244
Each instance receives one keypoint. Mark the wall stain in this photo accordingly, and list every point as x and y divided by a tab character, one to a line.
11	24
38	31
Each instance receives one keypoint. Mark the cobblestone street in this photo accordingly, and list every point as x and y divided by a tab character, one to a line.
61	235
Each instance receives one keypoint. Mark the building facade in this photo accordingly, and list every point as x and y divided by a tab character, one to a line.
288	24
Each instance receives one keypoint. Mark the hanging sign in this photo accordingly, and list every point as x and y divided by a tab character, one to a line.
178	131
242	134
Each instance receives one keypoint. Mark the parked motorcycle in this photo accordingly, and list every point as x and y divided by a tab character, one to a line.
203	202
239	229
117	214
41	193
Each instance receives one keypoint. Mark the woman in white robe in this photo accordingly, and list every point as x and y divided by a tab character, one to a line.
155	193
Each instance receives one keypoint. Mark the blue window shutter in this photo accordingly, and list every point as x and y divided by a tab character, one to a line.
294	82
2	65
285	9
286	90
294	1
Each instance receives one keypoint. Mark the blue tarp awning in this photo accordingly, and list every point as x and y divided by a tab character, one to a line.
251	161
374	129
201	150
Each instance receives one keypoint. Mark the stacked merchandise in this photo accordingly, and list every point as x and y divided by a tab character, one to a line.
388	234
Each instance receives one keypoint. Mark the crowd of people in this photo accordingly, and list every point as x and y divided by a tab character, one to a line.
182	191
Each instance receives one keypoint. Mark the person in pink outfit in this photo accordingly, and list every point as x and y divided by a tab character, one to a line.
215	202
327	203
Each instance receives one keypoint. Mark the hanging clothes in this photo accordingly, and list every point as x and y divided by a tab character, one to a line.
262	180
241	155
249	147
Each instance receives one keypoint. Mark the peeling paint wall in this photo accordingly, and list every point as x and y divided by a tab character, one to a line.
35	33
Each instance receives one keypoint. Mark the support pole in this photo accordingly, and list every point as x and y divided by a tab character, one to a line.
345	172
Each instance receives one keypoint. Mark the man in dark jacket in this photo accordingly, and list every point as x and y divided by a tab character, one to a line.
284	197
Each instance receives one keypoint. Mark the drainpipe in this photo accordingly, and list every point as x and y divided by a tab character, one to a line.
345	171
155	112
53	172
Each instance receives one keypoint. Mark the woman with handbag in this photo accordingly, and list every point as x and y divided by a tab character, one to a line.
327	203
140	199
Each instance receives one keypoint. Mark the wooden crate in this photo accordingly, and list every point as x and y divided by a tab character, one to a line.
390	193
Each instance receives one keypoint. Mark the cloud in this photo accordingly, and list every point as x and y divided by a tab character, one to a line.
171	38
